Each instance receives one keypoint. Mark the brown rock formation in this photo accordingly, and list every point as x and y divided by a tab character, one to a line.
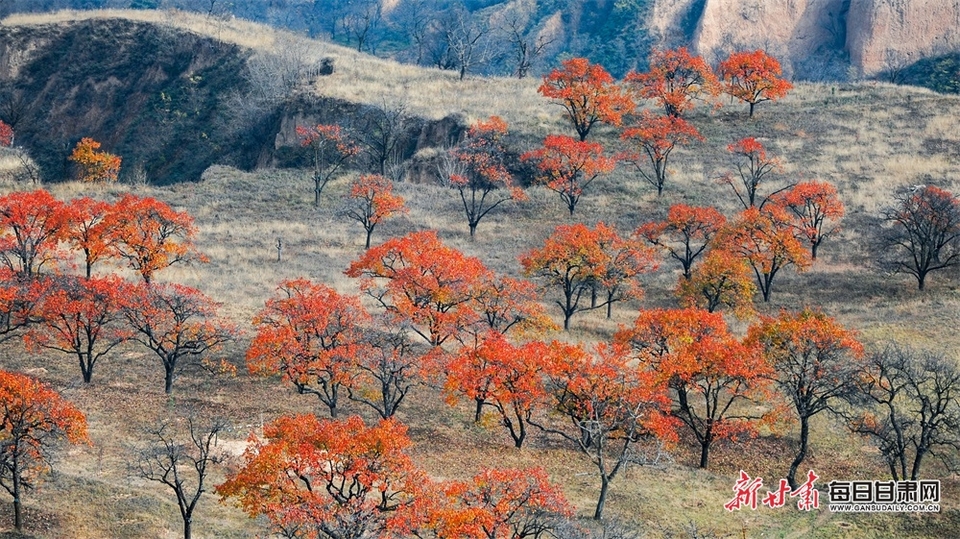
883	34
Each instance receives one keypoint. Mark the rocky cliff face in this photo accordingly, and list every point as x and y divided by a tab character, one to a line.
882	34
809	36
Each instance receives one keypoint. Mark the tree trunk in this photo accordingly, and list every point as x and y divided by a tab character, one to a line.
473	229
704	452
369	233
186	527
751	114
17	506
801	454
168	380
604	486
478	413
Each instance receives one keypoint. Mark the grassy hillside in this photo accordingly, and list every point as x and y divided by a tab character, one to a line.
868	140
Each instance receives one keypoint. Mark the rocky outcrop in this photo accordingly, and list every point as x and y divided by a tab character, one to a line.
884	34
811	35
788	29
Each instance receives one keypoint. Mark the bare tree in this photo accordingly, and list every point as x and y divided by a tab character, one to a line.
415	20
182	460
465	33
526	47
362	22
907	405
381	134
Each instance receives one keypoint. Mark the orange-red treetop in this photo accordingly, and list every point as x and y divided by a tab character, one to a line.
676	78
587	93
753	77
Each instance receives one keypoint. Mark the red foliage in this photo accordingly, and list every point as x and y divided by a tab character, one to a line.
501	504
503	376
331	150
766	241
753	77
342	478
587	93
685	233
675	79
816	209
6	134
81	317
427	284
31	225
752	169
150	235
479	172
567	166
33	418
87	230
707	369
176	323
312	335
653	138
581	261
371	200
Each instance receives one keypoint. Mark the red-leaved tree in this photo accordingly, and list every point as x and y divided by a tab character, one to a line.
311	335
753	166
501	503
177	323
478	171
567	166
371	200
685	233
150	235
753	77
652	139
81	317
816	211
87	230
675	80
587	93
33	419
328	479
6	135
710	373
331	149
420	281
32	224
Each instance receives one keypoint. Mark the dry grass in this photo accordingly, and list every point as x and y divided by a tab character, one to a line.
868	140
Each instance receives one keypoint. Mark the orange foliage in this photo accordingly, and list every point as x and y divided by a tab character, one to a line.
331	150
655	137
481	171
501	375
675	79
583	261
501	504
685	233
567	166
19	299
428	285
371	200
311	335
94	166
766	241
722	280
816	361
81	317
753	77
813	204
709	371
510	305
587	93
176	323
150	235
33	417
611	405
752	169
87	230
342	477
6	134
31	225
